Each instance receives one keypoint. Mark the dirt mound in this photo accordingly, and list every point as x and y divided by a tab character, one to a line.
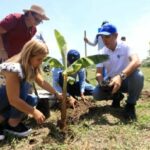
73	116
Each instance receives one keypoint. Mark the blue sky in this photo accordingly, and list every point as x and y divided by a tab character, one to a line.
71	18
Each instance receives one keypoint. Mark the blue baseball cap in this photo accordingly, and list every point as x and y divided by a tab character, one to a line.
107	29
72	56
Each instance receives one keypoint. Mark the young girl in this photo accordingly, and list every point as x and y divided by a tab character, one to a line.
18	73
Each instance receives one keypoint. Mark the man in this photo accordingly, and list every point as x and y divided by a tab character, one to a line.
16	29
122	70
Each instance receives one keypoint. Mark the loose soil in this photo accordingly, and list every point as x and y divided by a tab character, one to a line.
50	134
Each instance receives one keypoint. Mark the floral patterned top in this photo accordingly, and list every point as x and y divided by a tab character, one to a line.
11	67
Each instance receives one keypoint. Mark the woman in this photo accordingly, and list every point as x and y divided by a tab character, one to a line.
19	72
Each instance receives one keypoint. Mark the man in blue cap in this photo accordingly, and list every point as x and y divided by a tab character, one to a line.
122	69
80	87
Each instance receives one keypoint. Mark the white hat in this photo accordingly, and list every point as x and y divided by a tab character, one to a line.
39	10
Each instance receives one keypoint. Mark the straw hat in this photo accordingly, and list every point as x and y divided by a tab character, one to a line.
39	10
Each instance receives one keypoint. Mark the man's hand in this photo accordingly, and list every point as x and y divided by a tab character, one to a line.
105	86
116	83
85	40
99	78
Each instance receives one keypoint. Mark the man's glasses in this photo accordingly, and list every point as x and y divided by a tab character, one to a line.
106	36
36	18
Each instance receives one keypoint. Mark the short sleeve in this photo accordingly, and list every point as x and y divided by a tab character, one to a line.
8	22
12	67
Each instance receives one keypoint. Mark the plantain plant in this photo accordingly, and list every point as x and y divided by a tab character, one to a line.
68	71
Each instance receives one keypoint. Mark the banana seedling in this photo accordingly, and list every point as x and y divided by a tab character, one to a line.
83	62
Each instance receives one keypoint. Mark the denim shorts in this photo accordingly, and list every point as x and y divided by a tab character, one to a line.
9	111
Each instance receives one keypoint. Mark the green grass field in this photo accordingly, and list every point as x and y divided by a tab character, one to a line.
100	128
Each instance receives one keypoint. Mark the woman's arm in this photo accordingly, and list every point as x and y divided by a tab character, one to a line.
46	86
13	93
3	53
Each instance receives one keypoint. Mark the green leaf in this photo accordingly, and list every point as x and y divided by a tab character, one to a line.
73	69
62	46
52	62
85	62
70	80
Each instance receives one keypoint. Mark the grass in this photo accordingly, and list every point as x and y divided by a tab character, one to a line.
100	128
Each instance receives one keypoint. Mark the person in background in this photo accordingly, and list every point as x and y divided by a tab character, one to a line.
122	71
19	72
98	40
80	87
16	29
123	38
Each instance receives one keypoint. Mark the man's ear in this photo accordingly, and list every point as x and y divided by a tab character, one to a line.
116	35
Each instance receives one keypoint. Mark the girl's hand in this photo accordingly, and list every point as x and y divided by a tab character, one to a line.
38	116
59	95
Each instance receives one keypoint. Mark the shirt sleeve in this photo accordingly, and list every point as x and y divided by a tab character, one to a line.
12	67
8	22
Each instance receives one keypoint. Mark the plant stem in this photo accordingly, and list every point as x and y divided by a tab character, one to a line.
63	105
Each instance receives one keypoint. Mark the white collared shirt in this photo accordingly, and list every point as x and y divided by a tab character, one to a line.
118	59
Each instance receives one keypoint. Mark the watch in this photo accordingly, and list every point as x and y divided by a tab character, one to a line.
123	76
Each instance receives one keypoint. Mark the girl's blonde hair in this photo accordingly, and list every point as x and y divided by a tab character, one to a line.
29	50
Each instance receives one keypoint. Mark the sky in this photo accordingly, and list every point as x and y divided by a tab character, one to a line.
72	18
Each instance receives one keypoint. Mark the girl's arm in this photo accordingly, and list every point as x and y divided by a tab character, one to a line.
46	86
13	93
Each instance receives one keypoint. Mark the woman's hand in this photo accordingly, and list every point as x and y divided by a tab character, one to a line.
38	116
59	96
